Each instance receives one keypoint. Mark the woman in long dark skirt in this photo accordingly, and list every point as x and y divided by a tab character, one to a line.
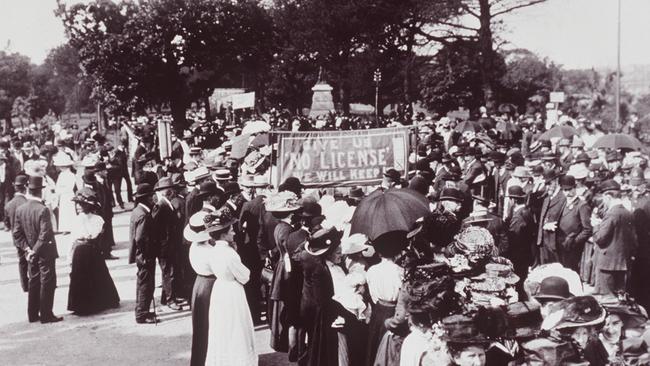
195	233
91	287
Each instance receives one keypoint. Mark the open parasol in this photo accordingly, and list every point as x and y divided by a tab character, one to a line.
254	127
386	211
470	126
559	132
618	141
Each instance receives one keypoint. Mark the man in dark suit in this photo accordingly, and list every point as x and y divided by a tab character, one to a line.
144	147
548	220
574	226
114	176
521	233
615	240
32	231
169	236
122	157
474	171
143	252
9	219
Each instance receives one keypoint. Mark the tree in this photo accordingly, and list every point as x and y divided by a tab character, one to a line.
14	82
166	52
22	109
486	18
526	76
453	78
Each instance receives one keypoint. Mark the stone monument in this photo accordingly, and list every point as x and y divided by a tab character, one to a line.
321	102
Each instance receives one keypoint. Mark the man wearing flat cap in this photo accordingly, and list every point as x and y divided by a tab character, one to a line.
616	241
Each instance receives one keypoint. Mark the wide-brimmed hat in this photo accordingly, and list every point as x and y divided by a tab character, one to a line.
219	220
393	175
164	183
577	311
194	231
475	243
609	185
87	196
578	171
254	181
521	172
553	288
62	159
462	329
524	319
322	240
356	243
631	313
285	201
143	190
499	270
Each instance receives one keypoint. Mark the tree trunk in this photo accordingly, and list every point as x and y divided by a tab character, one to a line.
178	108
208	111
408	68
487	54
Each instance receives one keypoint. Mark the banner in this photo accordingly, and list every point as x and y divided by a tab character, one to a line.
241	101
164	139
342	158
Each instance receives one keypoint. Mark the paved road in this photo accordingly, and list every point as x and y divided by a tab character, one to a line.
110	338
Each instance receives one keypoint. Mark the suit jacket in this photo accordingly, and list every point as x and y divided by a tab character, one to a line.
574	226
193	204
33	229
141	230
615	240
551	212
521	233
135	169
472	172
10	209
168	230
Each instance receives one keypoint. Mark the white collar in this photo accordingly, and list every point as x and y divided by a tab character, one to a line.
145	207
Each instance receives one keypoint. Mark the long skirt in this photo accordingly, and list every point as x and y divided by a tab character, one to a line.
231	338
91	287
389	350
376	328
200	318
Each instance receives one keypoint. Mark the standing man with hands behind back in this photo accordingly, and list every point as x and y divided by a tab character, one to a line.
33	233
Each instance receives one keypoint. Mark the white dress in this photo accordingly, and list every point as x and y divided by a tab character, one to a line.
65	184
231	335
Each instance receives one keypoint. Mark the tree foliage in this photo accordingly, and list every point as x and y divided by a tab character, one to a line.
166	52
14	81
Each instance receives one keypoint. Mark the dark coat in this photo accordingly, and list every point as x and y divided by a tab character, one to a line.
10	209
137	170
33	229
574	229
143	247
615	240
317	288
168	230
547	240
193	204
521	234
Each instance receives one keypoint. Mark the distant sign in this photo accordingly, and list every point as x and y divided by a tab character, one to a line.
557	97
241	101
336	158
462	114
164	139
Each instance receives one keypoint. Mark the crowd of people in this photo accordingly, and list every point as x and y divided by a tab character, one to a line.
505	242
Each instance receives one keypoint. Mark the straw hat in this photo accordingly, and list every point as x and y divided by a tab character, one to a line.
285	201
194	231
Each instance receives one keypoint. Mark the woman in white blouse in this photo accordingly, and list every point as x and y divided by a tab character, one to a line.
230	334
384	281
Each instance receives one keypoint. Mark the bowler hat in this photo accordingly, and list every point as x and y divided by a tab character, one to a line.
208	188
609	185
497	157
356	193
516	192
419	184
35	182
553	288
143	190
21	180
310	209
164	183
567	182
291	184
452	194
231	188
393	174
582	158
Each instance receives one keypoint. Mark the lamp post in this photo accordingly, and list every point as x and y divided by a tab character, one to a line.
377	79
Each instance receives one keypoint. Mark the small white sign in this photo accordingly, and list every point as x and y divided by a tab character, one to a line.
557	97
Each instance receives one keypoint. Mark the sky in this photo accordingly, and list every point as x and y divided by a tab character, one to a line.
573	33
